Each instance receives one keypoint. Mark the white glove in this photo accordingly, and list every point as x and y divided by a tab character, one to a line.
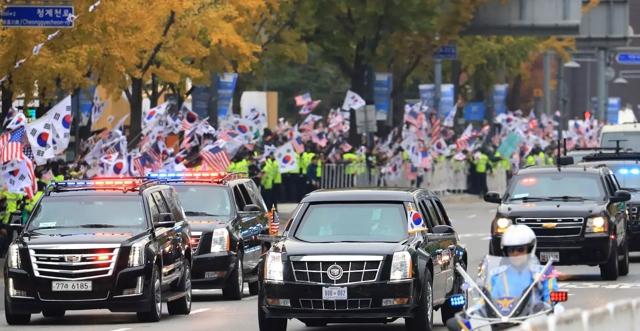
558	309
465	286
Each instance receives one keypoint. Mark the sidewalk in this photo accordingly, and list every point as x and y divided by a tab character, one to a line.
288	208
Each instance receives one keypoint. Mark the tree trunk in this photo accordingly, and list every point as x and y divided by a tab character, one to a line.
7	101
241	86
153	98
399	100
513	100
43	106
456	71
357	86
135	102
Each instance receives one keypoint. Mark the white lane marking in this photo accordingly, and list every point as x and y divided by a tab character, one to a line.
486	238
472	216
609	286
123	329
492	210
199	311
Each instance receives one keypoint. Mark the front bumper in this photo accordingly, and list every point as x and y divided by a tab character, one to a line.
364	301
106	293
592	249
217	266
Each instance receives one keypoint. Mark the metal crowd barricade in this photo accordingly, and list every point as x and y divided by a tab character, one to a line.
335	176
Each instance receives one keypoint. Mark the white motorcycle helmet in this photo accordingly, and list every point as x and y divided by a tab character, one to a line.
516	237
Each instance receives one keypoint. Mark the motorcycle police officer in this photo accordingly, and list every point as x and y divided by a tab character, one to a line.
518	244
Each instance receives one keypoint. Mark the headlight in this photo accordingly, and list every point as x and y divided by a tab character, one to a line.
273	267
401	266
597	225
13	257
136	256
220	241
501	224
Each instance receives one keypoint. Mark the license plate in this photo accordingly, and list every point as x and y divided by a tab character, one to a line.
77	286
334	293
549	256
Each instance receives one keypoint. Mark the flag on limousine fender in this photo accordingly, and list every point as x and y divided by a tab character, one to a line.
274	222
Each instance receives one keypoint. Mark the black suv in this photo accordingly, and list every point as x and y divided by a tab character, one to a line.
626	168
577	212
111	244
227	214
363	256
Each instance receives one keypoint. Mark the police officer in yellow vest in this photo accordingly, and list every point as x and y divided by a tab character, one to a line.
504	163
351	160
481	162
6	236
269	171
305	161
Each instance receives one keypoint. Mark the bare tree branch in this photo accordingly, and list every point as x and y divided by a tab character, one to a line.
158	46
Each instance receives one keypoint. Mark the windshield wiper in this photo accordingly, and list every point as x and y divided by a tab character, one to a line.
567	197
97	226
198	213
528	199
47	227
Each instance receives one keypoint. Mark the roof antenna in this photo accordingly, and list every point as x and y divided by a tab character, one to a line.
617	145
559	156
564	143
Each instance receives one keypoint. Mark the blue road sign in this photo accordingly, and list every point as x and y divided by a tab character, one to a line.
628	58
37	17
447	52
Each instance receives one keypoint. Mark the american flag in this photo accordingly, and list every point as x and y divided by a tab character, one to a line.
307	124
435	128
228	135
274	225
216	158
411	171
137	164
303	99
11	144
346	147
425	161
297	145
414	117
320	139
485	129
463	142
32	178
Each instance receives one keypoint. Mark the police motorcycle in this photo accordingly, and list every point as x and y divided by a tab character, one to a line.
510	289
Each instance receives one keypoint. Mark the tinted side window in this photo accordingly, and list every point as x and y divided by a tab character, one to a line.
429	219
171	197
609	185
239	199
616	185
162	205
153	209
245	194
437	217
443	212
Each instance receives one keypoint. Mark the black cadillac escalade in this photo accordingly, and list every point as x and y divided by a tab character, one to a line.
110	244
362	255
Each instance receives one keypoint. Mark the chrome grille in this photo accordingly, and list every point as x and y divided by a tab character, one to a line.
633	213
350	304
554	227
313	269
73	262
195	240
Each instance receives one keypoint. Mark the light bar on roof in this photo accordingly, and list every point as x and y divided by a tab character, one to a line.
187	175
98	183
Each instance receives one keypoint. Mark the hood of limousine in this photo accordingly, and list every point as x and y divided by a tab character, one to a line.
62	236
553	209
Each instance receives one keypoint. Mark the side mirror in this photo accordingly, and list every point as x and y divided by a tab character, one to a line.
443	229
251	209
621	196
492	197
16	224
165	220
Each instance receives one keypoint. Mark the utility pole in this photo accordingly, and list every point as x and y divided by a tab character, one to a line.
546	87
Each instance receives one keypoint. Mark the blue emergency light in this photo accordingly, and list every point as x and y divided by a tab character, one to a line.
187	175
627	171
98	183
458	300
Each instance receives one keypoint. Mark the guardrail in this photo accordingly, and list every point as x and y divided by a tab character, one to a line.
449	176
623	315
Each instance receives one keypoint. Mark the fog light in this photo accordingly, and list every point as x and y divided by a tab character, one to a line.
279	302
394	301
136	290
15	293
215	274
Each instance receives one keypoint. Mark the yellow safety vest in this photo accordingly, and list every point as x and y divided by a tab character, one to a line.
481	163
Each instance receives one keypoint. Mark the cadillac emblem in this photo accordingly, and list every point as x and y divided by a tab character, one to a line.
549	225
72	258
335	272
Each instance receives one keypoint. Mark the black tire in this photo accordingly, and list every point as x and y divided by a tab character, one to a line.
609	270
155	308
254	288
15	319
269	324
182	306
53	313
233	289
422	319
623	266
315	324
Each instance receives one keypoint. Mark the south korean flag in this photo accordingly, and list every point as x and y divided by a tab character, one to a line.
416	223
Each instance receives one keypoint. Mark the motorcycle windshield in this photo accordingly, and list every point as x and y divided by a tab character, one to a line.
505	281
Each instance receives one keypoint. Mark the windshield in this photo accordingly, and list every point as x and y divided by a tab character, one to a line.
353	222
585	186
505	280
204	200
632	138
628	175
88	211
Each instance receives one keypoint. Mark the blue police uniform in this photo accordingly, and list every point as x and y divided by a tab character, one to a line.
507	282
